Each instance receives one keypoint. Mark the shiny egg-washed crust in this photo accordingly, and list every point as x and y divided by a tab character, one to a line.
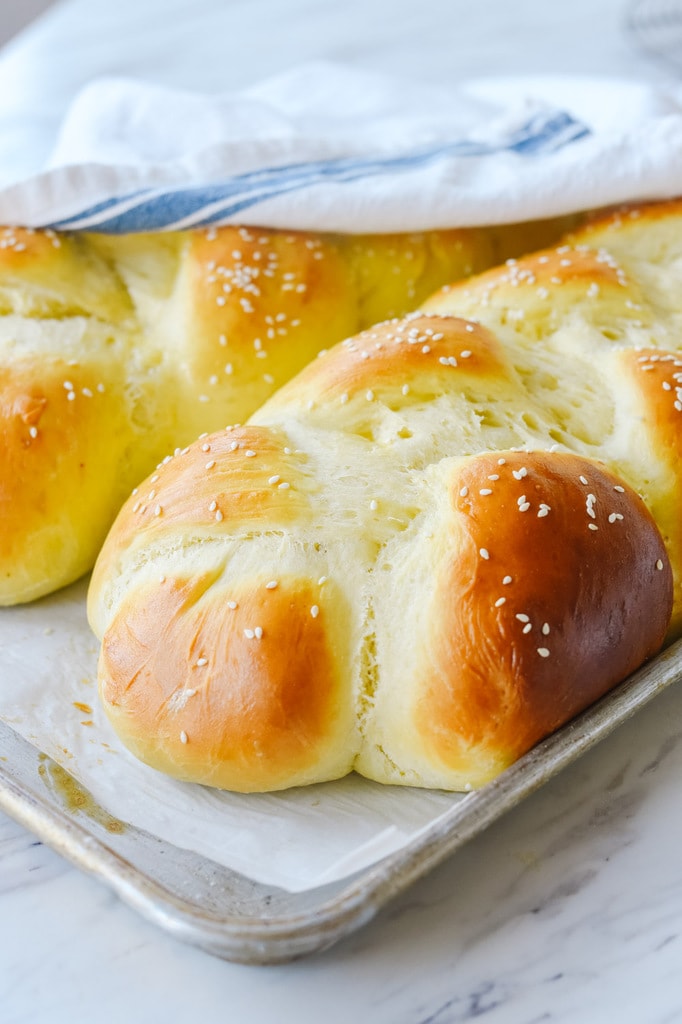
113	350
416	554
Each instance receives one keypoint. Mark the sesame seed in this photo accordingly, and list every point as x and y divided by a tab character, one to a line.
322	580
33	431
617	487
315	611
201	662
370	395
218	516
213	506
659	564
522	618
273	479
592	526
258	632
210	464
583	479
485	490
506	580
527	628
463	492
232	605
500	601
484	553
524	507
405	389
373	505
183	736
205	448
271	585
158	510
284	486
249	634
249	453
519	474
543	652
545	628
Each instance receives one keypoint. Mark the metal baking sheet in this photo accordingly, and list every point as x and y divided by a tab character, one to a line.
235	918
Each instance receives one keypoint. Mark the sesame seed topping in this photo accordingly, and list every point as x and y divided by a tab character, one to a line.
543	652
158	510
218	516
205	448
484	553
258	632
210	464
33	431
249	634
527	628
506	580
500	601
373	505
519	474
545	628
183	736
485	490
213	506
522	618
274	479
659	564
271	585
322	580
617	487
201	662
592	526
583	480
463	492
283	486
249	453
232	605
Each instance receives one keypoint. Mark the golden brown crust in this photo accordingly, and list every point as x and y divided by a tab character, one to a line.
247	696
535	607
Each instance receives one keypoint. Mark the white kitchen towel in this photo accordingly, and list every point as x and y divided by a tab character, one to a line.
330	148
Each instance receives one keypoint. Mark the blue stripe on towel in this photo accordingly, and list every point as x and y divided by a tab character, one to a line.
153	209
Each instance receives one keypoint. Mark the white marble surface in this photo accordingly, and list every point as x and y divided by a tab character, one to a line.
570	908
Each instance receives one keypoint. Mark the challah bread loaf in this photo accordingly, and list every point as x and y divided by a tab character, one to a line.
113	350
385	571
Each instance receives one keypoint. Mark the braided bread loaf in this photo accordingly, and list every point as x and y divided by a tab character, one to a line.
113	350
426	551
